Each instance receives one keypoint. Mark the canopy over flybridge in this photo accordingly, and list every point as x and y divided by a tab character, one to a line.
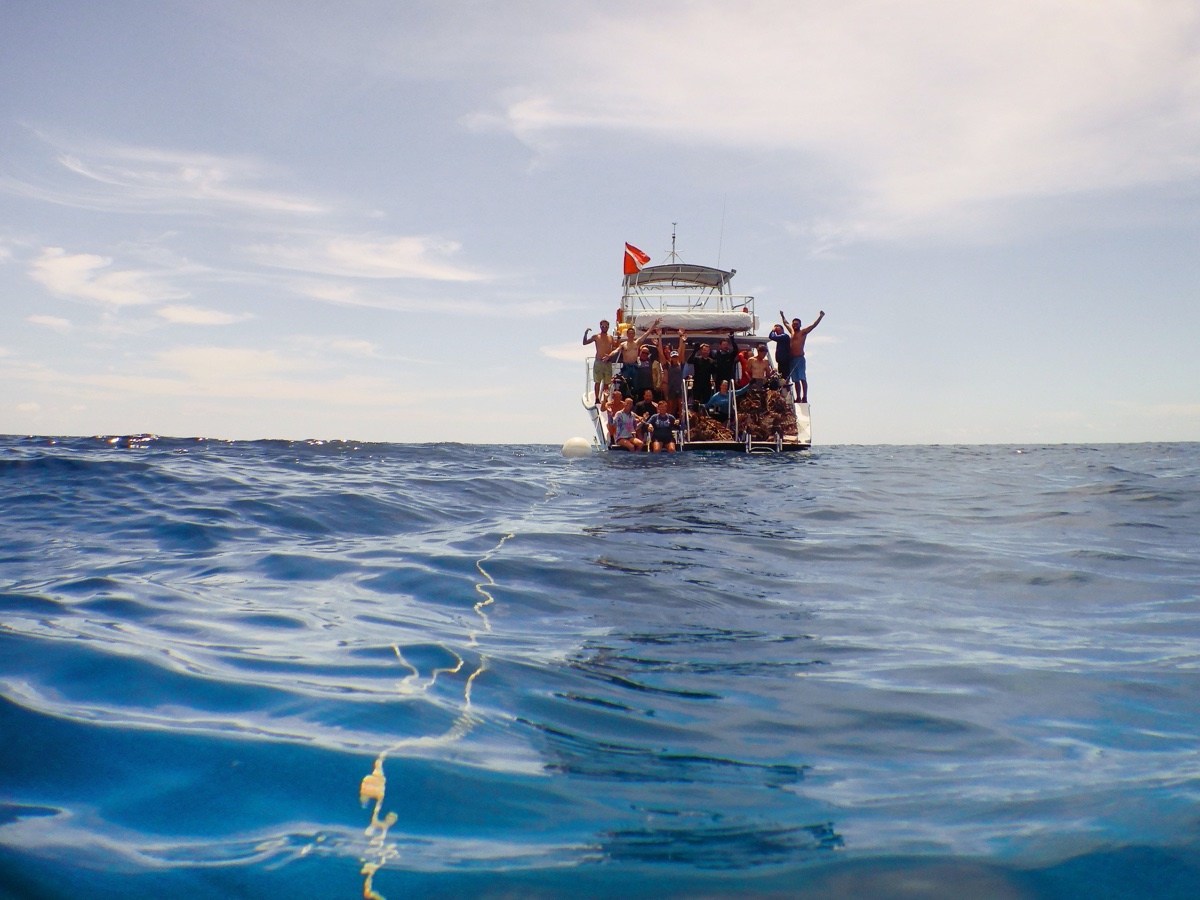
684	274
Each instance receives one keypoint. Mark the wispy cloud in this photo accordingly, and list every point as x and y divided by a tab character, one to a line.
567	352
86	276
412	256
120	177
222	364
194	315
54	323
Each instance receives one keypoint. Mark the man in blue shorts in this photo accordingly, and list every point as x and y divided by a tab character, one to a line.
798	336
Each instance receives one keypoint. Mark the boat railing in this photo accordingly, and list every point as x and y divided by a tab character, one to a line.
653	301
733	414
685	419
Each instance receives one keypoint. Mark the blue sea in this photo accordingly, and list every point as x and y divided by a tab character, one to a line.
337	669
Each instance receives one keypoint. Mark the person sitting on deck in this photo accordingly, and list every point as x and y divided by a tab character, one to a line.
662	429
647	406
613	405
625	425
719	404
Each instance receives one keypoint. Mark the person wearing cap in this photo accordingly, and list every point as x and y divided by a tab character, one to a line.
672	363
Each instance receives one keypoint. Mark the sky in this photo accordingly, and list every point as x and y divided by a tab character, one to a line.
386	221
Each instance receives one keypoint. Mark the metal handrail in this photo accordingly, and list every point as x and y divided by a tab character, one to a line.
685	420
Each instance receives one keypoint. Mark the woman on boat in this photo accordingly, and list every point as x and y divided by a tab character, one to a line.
672	366
719	404
662	429
626	425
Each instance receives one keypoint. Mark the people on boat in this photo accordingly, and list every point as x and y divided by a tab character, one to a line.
702	373
644	373
647	406
662	427
798	335
625	426
742	368
614	404
601	367
628	351
725	360
719	404
758	366
672	364
783	351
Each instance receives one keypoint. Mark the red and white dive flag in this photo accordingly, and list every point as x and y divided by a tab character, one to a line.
634	259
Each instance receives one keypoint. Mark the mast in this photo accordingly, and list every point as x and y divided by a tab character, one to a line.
673	256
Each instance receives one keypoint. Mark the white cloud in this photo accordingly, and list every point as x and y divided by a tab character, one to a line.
414	256
82	276
224	364
54	323
322	346
194	315
353	347
926	112
568	352
123	177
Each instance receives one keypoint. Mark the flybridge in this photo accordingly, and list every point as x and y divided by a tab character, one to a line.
695	298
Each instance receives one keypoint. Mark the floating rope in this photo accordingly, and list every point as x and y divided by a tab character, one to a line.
374	786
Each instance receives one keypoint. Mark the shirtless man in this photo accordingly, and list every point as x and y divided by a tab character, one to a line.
627	351
605	344
796	345
758	366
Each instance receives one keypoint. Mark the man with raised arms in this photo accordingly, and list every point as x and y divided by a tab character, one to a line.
798	336
628	352
605	344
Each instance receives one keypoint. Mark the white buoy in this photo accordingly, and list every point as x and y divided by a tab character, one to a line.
576	446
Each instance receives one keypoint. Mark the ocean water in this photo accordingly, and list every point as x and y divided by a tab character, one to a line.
271	669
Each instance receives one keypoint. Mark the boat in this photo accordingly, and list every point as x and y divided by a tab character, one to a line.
699	300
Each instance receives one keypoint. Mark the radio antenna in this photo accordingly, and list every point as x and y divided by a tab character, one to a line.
674	257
